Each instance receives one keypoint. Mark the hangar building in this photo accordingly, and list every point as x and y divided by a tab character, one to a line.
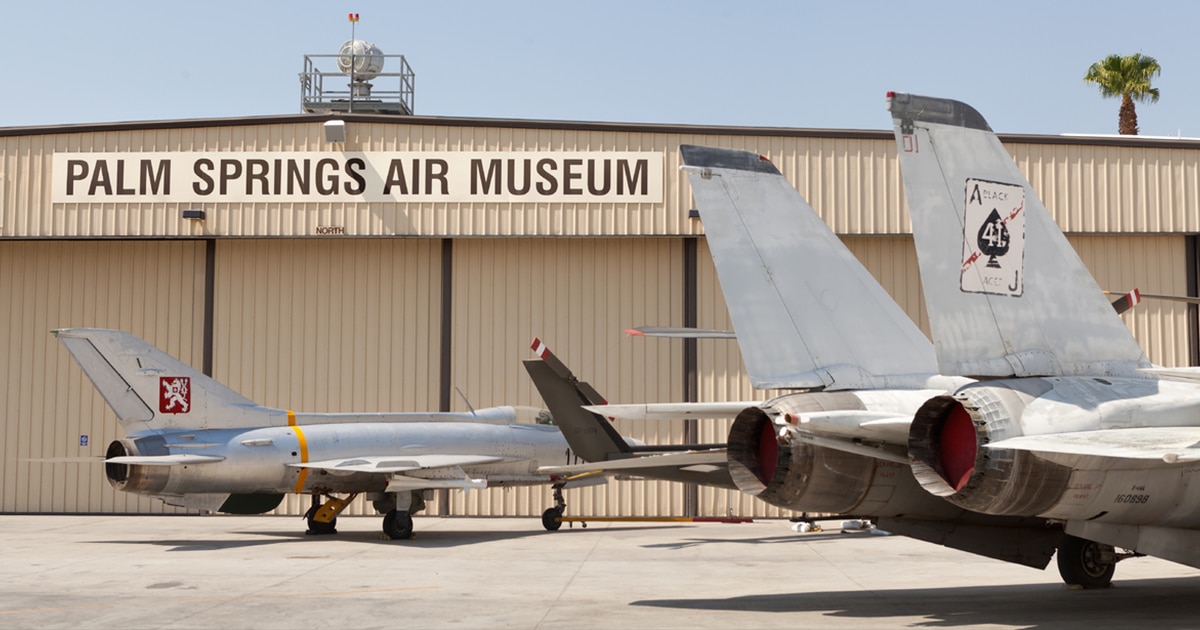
418	256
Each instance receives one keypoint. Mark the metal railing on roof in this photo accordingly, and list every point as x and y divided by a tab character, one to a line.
324	92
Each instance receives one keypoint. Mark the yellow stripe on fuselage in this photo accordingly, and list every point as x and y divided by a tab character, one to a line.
303	441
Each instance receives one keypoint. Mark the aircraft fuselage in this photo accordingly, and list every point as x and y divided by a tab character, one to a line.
265	460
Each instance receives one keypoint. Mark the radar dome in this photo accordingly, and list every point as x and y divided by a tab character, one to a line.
364	59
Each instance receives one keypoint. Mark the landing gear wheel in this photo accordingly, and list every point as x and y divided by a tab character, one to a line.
1086	563
550	519
317	528
398	525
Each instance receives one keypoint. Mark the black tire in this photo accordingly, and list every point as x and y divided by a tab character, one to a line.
550	519
317	528
398	525
1086	563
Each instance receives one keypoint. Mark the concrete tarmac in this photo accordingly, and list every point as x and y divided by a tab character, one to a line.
225	572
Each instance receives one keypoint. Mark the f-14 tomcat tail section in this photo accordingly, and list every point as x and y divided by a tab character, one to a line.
1006	293
151	390
807	313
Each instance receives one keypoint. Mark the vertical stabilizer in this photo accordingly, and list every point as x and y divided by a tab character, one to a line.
150	390
806	312
1006	293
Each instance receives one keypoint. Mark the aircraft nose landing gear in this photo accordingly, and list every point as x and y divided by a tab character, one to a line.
322	517
551	515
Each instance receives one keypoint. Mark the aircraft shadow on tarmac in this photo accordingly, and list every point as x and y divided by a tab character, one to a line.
771	540
430	538
1161	604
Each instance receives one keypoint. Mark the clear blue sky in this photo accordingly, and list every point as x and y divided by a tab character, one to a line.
786	64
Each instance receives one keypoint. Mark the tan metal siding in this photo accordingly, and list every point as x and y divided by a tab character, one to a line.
854	183
578	295
1153	264
1114	189
329	325
151	288
892	260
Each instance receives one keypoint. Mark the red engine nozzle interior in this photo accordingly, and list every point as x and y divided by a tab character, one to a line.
957	447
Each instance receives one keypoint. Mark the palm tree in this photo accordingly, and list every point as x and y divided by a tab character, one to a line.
1129	78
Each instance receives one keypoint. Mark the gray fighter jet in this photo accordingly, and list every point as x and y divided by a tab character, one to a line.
810	318
193	442
1073	424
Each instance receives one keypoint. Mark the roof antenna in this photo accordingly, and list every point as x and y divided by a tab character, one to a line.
464	399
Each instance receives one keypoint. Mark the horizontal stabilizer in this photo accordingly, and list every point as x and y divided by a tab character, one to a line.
398	463
806	312
1168	445
590	436
85	459
680	332
164	460
673	411
1187	299
1126	301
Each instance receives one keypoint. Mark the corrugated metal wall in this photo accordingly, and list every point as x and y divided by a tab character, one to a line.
329	325
578	296
1152	264
341	325
154	289
852	180
338	324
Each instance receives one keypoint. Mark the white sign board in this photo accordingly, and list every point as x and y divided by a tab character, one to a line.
993	238
383	176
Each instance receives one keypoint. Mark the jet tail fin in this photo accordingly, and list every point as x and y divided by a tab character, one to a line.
591	436
806	312
149	389
1007	295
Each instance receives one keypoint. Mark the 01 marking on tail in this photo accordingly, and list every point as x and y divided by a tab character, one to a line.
1078	427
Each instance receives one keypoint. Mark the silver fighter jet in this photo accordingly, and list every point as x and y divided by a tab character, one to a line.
195	443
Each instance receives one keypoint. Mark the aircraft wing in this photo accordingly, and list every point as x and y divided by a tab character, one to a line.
399	463
697	461
672	411
806	312
1167	444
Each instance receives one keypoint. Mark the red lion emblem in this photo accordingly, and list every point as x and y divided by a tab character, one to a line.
175	394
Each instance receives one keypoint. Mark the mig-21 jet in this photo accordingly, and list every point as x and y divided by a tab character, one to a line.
193	442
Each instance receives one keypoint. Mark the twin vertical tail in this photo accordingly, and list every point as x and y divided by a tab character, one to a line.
806	312
150	390
589	435
1007	295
